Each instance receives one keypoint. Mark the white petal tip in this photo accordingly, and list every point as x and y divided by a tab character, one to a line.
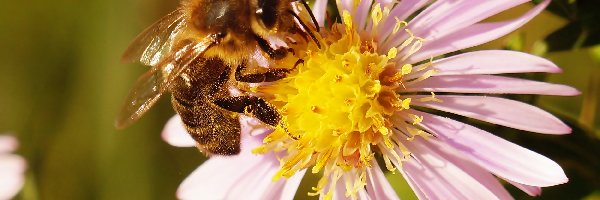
175	134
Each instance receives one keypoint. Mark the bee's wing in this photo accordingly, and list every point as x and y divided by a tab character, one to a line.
152	84
155	42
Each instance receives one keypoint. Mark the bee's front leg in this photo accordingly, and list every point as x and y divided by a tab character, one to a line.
270	75
276	54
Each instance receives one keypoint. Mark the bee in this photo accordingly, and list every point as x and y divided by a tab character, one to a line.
203	49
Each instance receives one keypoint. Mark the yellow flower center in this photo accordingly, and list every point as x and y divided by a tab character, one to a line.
337	109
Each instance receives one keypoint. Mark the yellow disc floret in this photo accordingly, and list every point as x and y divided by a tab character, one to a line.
337	108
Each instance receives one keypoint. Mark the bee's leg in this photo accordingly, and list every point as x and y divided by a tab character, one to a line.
255	106
272	74
276	54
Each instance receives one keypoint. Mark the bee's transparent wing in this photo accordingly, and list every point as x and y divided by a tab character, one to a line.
152	84
156	41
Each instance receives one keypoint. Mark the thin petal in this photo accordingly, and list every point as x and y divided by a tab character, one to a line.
446	17
495	154
215	177
385	2
287	190
8	143
437	10
442	173
358	10
175	134
413	183
12	168
361	13
404	9
320	11
462	15
253	126
344	5
471	36
378	187
499	111
493	62
244	176
339	192
489	84
530	190
257	182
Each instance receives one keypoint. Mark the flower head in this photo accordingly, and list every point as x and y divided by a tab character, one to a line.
364	95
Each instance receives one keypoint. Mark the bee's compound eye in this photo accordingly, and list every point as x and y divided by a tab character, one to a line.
267	12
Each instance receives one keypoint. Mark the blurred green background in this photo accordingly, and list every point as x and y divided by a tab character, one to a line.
61	86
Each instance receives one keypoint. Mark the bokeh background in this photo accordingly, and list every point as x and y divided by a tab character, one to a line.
61	86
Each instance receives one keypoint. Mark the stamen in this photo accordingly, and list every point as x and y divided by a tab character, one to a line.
399	24
392	53
406	69
376	14
432	98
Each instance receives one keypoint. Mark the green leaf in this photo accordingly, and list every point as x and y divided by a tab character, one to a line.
582	29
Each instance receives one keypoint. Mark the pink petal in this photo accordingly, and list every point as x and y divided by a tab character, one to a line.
246	174
258	183
499	111
214	177
530	190
495	154
442	173
320	11
471	36
361	13
402	10
287	190
493	62
464	14
253	126
451	16
12	169
345	5
339	193
362	194
8	143
489	84
378	187
412	183
175	134
385	2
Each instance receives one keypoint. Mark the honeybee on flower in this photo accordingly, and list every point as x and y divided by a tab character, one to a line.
360	97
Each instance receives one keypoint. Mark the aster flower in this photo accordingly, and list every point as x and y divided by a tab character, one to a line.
365	95
12	168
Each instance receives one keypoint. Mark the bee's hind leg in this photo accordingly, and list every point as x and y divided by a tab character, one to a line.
254	106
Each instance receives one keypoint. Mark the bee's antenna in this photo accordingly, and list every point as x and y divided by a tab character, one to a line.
312	16
312	35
